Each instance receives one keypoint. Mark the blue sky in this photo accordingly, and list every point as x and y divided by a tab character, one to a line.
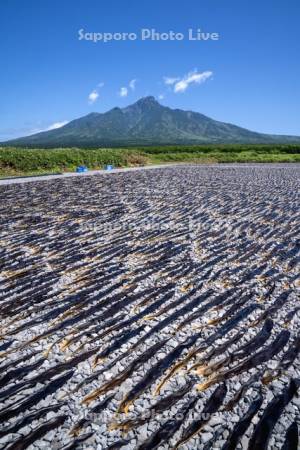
252	72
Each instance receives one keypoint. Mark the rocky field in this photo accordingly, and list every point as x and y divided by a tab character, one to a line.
151	309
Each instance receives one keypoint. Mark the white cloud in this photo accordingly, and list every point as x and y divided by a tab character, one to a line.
132	84
123	92
53	126
170	80
93	96
161	97
56	125
191	77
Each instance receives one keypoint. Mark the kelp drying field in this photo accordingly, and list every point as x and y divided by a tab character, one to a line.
151	309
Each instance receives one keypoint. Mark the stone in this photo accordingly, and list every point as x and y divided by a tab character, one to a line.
245	442
205	437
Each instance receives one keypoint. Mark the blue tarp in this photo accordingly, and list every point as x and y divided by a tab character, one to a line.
81	169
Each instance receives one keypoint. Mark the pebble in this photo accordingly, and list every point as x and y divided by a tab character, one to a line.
205	437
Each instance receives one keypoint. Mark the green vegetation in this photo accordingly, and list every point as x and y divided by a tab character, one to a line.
18	161
227	153
22	161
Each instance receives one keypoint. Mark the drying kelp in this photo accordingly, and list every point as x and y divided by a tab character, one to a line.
47	374
104	278
160	406
258	341
181	364
214	351
256	360
290	315
291	354
168	429
122	324
25	441
285	362
97	409
240	392
203	346
214	304
263	429
28	418
5	345
134	365
23	405
240	428
231	323
118	342
213	404
118	444
292	438
20	372
13	364
155	372
241	352
278	304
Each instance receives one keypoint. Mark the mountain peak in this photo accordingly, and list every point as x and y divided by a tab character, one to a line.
149	100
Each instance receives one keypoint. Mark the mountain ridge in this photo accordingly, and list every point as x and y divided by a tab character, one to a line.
147	122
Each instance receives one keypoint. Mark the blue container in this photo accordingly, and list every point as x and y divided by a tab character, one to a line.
109	167
81	169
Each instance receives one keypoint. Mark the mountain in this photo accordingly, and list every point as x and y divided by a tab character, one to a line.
146	122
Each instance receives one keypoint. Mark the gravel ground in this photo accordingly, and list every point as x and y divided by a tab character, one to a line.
151	309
